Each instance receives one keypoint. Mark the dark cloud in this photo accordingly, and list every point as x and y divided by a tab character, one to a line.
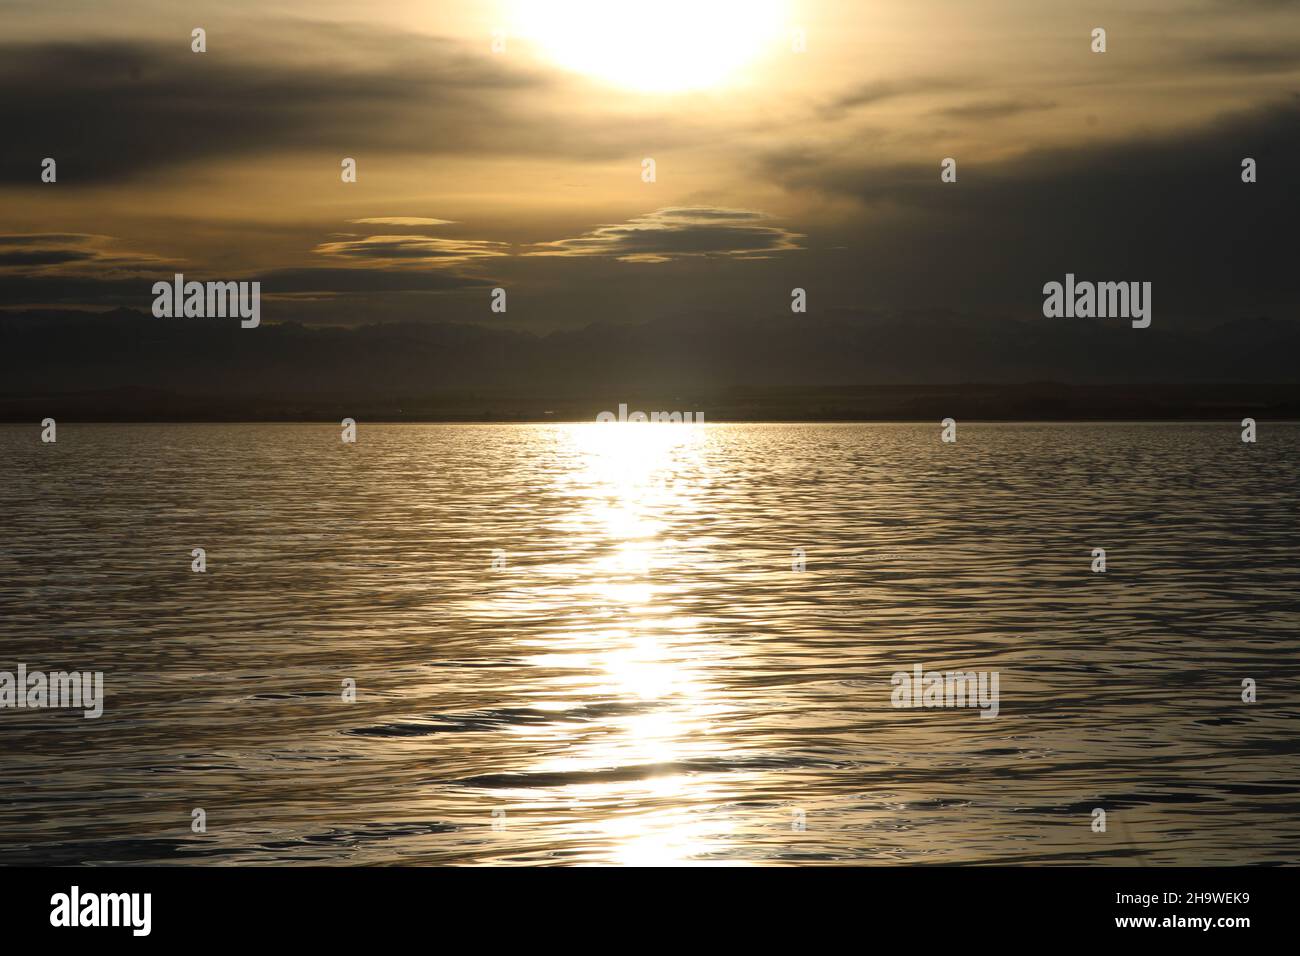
1257	4
82	269
680	232
1256	58
112	110
708	213
1172	210
136	290
53	289
878	91
47	238
43	257
995	109
353	281
48	250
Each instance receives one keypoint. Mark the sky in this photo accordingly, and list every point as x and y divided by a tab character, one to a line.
502	144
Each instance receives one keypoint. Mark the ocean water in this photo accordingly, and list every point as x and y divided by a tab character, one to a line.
592	643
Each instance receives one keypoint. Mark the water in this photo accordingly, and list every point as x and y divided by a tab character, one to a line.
647	679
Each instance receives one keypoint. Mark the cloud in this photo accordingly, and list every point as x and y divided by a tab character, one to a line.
362	281
110	111
402	221
44	238
86	252
678	232
53	288
413	250
84	269
878	91
171	106
1171	209
1252	59
42	257
981	110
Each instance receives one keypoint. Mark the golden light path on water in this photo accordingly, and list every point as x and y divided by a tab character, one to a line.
648	656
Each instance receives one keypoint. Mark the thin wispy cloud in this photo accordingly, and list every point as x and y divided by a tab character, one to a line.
401	221
680	232
985	110
413	250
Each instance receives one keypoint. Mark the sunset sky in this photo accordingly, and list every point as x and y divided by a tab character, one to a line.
522	168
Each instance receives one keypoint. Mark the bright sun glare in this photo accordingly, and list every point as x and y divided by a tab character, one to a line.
659	46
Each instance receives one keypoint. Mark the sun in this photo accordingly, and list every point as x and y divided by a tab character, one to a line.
653	46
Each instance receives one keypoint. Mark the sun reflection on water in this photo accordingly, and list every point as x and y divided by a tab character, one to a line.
646	664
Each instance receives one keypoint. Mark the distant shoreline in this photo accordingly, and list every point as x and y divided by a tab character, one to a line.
1033	402
7	423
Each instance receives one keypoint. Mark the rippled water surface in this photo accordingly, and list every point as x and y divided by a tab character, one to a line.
590	644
